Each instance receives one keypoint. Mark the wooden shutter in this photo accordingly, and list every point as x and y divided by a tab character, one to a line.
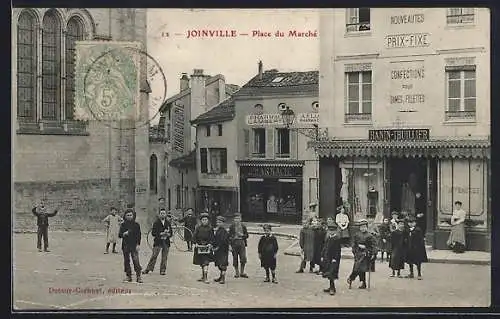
203	160
270	143
223	161
251	141
246	138
294	139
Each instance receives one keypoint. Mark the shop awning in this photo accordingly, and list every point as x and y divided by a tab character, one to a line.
432	148
263	162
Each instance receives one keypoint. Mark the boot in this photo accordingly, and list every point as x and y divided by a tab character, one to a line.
145	271
349	281
114	249
333	291
205	277
363	285
128	278
222	279
274	281
236	272
242	274
202	276
219	278
139	279
326	289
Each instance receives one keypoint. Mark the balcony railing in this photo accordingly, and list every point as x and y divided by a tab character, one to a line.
258	155
360	26
353	117
460	115
460	18
52	127
282	155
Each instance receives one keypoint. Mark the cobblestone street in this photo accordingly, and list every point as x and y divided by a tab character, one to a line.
77	262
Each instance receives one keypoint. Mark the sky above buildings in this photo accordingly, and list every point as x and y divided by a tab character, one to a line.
234	57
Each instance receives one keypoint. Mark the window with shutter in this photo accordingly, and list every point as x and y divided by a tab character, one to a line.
270	143
246	141
203	160
294	139
223	160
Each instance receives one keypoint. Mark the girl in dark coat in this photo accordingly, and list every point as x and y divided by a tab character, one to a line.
204	239
416	253
267	249
364	253
331	256
398	249
319	241
384	230
221	249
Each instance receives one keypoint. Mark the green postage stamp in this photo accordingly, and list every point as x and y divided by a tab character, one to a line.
107	81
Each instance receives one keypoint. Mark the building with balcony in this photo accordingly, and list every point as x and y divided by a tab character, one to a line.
405	95
173	172
81	167
277	172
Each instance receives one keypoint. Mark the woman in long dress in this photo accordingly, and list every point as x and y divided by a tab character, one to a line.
112	222
456	241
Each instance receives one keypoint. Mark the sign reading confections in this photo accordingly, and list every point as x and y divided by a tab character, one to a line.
399	135
407	85
270	119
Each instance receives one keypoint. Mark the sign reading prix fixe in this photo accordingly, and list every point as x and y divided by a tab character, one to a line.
271	119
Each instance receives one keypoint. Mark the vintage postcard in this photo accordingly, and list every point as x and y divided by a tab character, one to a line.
250	158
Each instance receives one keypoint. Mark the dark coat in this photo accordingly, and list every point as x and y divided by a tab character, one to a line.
363	256
306	242
221	247
416	247
158	228
267	249
319	243
203	235
42	219
232	233
385	233
133	239
332	255
398	249
190	223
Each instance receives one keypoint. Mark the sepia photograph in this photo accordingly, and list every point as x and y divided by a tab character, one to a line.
250	159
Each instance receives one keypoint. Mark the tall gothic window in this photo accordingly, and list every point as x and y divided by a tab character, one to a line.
51	70
26	66
74	33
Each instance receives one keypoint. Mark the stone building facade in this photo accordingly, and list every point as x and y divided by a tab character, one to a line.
81	167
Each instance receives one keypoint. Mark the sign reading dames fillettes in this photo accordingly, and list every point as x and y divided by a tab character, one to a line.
399	135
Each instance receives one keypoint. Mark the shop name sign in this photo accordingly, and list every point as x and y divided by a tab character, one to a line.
277	119
408	40
399	135
271	171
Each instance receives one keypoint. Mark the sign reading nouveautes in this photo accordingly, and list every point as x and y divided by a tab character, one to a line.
399	135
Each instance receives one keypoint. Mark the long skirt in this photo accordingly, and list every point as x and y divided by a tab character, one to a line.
202	259
457	234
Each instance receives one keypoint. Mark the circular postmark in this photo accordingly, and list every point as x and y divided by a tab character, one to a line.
113	84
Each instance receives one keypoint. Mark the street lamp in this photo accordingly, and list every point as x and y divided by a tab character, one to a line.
288	116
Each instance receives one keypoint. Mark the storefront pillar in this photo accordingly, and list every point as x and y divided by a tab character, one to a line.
327	187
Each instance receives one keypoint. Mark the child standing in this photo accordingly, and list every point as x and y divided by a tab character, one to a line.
394	221
130	231
204	240
306	242
398	249
384	230
363	249
162	231
190	223
238	236
267	249
331	256
112	222
416	254
221	249
42	221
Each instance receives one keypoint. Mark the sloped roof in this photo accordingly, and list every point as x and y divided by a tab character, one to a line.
273	81
186	161
224	111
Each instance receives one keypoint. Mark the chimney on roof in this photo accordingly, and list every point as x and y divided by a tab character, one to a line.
184	82
197	72
260	69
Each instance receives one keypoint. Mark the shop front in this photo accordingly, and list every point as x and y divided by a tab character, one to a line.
415	176
220	200
271	191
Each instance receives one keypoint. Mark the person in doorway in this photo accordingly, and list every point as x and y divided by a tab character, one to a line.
342	220
384	230
162	231
272	205
363	250
130	232
189	221
204	240
306	243
372	201
238	236
331	256
416	253
42	221
112	222
398	249
268	250
221	249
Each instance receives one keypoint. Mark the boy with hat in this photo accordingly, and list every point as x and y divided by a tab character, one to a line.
130	232
268	249
42	221
238	236
190	224
398	249
204	239
331	256
363	250
416	253
162	231
221	249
